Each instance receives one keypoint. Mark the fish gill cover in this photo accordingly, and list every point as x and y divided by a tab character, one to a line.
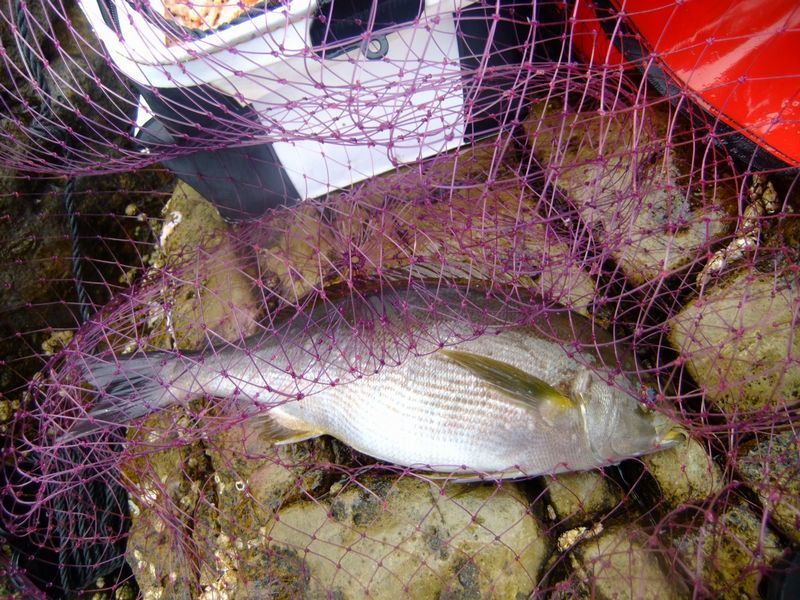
329	191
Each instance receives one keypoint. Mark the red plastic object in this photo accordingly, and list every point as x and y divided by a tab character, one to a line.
738	59
588	36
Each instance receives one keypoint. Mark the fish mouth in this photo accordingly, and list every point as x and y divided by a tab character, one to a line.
673	437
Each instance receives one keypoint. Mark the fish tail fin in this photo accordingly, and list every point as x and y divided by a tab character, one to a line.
129	388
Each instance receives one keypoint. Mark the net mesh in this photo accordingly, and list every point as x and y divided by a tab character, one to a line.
329	191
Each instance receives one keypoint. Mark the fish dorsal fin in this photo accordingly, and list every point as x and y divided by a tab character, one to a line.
515	382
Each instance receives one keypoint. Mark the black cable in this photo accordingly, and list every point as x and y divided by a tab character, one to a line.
84	301
99	510
48	128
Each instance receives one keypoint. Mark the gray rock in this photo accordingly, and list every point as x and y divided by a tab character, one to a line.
630	188
581	498
685	473
619	563
386	537
738	343
727	551
771	467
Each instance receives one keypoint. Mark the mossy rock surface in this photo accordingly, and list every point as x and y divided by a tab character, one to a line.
770	465
740	343
623	562
727	551
412	538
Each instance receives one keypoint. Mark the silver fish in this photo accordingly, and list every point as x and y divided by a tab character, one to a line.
440	382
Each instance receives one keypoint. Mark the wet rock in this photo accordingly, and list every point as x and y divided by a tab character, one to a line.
771	467
213	292
727	551
83	104
621	562
649	204
385	537
296	253
465	229
198	509
581	498
177	541
126	591
685	473
35	281
254	477
172	503
37	287
739	341
91	106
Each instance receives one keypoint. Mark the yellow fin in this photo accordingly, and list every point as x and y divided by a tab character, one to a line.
281	435
673	437
520	385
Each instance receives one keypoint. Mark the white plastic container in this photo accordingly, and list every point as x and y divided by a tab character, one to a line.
334	113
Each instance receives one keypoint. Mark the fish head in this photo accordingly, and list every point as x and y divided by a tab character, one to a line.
617	424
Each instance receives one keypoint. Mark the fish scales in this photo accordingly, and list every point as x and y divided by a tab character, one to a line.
499	399
429	412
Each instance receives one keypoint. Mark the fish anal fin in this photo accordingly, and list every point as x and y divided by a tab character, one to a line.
281	435
470	476
520	385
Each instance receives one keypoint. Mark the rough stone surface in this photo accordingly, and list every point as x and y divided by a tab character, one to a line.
740	343
637	202
771	467
254	478
618	563
36	287
37	290
195	504
407	537
214	294
727	551
172	519
35	273
174	489
581	498
685	473
98	117
379	537
471	232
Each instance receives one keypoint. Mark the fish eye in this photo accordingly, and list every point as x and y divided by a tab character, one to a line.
647	399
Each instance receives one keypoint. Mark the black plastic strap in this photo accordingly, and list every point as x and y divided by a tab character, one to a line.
485	42
108	9
341	24
243	182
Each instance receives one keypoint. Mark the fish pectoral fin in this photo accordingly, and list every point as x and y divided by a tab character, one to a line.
281	435
520	385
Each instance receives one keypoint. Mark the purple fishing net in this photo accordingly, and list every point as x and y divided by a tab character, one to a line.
332	189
